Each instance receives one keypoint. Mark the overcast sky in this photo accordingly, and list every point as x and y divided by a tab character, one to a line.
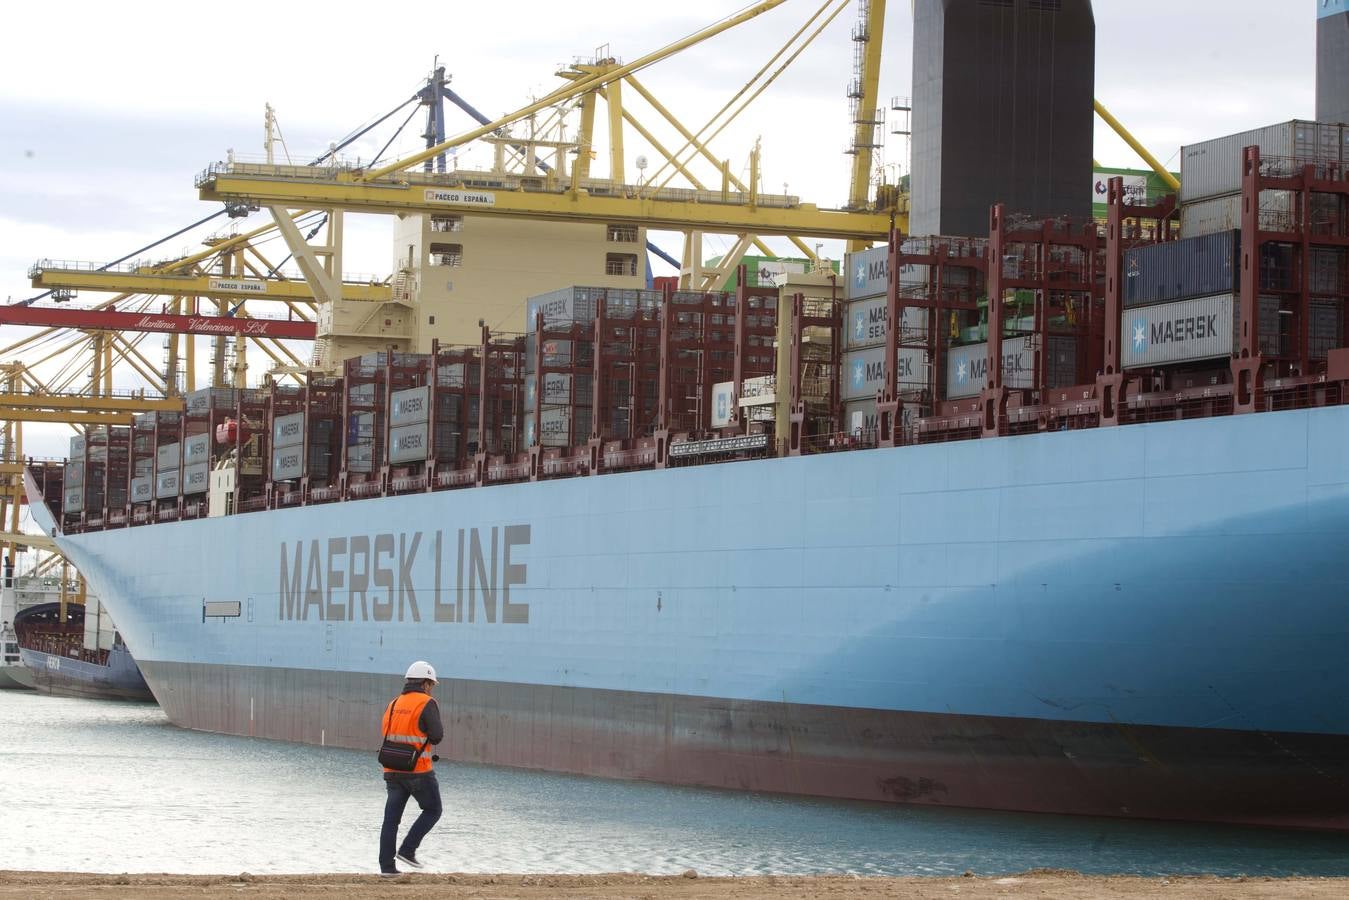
110	109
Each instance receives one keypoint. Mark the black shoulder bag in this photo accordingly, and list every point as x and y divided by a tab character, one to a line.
399	755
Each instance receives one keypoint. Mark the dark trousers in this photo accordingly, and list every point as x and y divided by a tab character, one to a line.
426	790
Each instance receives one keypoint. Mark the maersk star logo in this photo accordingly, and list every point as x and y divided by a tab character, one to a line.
859	328
962	372
861	274
859	374
1140	336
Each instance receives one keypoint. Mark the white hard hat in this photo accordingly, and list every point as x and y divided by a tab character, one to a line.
421	671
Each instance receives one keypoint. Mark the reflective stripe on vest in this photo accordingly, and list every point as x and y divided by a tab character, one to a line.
402	723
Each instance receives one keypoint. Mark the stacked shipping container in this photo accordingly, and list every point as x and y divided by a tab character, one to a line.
1179	300
1211	202
168	457
863	368
99	630
364	380
559	360
142	462
116	476
204	411
409	415
1211	172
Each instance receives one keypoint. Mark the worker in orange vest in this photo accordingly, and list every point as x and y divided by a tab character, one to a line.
411	726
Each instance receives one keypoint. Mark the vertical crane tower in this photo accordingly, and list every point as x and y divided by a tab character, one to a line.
864	102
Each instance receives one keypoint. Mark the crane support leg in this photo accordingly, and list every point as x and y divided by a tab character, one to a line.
321	265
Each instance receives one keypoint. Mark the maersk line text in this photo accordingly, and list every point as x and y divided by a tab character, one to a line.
369	577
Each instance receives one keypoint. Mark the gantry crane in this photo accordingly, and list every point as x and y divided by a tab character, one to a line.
140	279
553	194
232	273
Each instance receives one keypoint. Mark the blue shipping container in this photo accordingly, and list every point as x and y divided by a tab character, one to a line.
1194	267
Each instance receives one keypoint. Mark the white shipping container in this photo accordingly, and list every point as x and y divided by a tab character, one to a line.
864	371
198	401
142	489
410	406
1213	168
287	463
867	273
202	400
861	417
74	474
361	457
196	449
167	457
77	444
288	430
865	323
967	366
450	375
106	639
166	485
91	625
407	443
1183	331
73	500
557	307
1216	214
196	478
362	394
556	424
556	389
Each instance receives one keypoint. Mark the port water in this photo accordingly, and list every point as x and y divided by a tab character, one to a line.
98	786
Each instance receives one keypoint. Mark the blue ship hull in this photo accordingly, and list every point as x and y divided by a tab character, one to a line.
64	676
1146	620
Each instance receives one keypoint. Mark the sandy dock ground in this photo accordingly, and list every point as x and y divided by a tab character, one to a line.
1043	885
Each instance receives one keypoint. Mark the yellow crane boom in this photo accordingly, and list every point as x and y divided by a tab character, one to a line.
422	192
83	277
79	409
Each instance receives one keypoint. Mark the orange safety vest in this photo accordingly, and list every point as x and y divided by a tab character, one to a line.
402	723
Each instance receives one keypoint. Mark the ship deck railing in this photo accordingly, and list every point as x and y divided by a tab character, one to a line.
407	484
364	489
840	441
456	478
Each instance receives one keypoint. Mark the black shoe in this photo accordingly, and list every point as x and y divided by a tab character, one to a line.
409	859
391	873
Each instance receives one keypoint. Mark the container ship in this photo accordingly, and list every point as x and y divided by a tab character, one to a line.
1054	519
58	639
63	651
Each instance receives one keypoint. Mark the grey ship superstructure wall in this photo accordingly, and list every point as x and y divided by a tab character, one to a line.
1002	106
1332	61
